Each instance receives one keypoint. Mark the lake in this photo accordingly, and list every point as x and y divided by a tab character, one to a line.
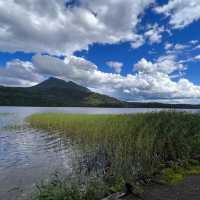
28	156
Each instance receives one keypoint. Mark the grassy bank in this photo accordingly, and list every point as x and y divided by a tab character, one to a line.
131	148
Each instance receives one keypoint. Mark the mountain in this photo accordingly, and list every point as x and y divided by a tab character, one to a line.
61	84
59	93
55	92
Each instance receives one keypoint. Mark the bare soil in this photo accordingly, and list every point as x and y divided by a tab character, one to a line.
187	190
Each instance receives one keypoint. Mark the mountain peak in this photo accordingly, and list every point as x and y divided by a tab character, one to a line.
53	82
53	79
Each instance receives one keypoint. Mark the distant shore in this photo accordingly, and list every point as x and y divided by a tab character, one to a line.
152	105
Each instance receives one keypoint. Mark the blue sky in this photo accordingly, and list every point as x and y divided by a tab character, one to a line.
133	49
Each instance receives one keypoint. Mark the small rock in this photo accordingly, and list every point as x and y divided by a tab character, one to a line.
116	196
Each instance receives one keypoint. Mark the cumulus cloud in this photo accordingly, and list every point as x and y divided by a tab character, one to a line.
52	27
117	66
181	12
151	79
165	64
138	41
154	33
19	73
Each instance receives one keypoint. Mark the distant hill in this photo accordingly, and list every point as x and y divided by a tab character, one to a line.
54	92
61	84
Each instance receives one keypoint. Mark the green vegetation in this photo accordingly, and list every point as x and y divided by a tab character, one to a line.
178	172
134	149
67	189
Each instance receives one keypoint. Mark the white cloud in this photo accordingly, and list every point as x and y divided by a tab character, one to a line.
184	51
181	12
18	72
198	46
180	46
137	42
197	57
168	46
11	81
49	26
154	33
151	80
117	66
193	42
165	64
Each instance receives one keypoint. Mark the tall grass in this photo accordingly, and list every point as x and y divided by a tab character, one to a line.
131	144
128	147
68	189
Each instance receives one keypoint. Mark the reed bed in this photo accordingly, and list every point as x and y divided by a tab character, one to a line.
128	147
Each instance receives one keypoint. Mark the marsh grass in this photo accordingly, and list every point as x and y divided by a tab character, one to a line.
176	173
128	147
59	188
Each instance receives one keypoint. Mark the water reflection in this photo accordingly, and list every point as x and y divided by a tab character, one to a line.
28	156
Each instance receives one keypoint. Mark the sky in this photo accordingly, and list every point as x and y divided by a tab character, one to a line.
134	50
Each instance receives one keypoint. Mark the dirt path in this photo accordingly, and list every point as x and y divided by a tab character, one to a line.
188	190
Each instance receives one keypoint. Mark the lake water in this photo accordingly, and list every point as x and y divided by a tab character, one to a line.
28	156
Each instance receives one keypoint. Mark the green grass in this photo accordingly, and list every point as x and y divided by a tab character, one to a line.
176	173
127	147
67	189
